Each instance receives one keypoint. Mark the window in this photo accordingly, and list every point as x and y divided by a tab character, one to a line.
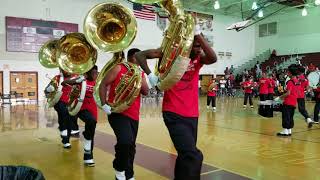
268	29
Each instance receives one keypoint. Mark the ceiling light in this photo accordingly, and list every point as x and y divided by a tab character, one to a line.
216	5
304	12
255	6
317	2
260	13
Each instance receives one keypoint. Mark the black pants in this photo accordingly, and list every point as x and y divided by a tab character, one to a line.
302	108
183	133
316	110
246	97
263	97
90	124
64	119
126	130
74	123
270	97
211	99
287	116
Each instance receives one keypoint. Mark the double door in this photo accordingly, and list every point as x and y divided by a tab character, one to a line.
24	84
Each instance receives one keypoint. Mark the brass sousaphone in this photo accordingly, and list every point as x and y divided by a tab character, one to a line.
76	56
47	58
111	27
176	45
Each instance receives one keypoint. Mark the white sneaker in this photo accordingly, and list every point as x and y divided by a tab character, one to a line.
120	175
289	132
67	145
251	107
208	107
244	106
214	108
309	122
132	178
74	131
284	132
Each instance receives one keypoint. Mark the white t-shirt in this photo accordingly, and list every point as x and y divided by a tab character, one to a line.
223	83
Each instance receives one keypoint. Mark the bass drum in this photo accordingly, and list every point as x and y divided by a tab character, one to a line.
314	78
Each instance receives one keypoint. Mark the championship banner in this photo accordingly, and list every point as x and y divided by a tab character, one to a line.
28	35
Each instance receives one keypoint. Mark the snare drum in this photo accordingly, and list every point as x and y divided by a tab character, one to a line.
314	78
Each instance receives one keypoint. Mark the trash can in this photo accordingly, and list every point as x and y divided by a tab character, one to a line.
20	173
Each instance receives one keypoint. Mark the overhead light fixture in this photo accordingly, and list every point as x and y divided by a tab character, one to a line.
317	2
216	5
260	13
304	12
255	6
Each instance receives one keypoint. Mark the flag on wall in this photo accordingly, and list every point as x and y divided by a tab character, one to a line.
144	11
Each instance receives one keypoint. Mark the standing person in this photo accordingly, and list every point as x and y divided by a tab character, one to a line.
258	69
125	124
264	83
223	84
227	72
248	86
180	108
289	101
65	121
271	87
304	84
231	69
211	95
88	113
317	105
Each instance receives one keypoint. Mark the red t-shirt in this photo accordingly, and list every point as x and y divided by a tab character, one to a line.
212	92
89	102
272	84
133	111
183	98
293	86
304	83
66	89
264	85
246	87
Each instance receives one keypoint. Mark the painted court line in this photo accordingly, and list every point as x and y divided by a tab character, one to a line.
158	161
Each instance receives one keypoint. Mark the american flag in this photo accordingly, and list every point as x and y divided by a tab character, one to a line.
144	11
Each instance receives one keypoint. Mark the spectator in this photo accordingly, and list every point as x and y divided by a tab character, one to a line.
231	69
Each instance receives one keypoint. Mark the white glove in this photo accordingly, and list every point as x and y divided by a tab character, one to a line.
107	109
80	79
197	29
153	79
277	99
50	89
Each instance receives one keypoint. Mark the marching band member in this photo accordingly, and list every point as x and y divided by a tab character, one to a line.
289	101
88	113
304	84
180	106
248	86
65	121
211	95
125	124
264	106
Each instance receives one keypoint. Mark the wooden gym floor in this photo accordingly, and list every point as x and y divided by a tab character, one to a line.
236	143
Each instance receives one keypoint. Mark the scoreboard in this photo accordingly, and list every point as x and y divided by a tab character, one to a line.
28	35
